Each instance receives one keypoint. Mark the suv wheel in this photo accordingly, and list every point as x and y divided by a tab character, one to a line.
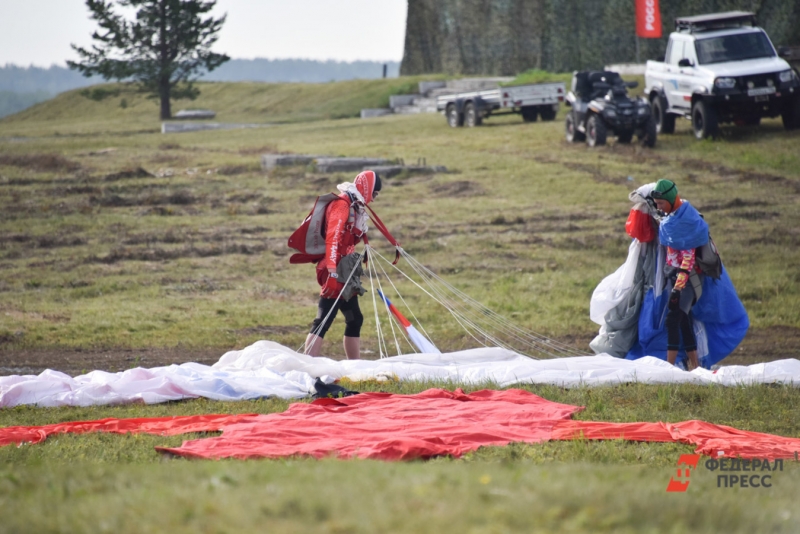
596	131
471	116
454	118
704	121
665	122
791	114
571	128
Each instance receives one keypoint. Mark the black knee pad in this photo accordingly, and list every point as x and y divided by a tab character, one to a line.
323	309
353	320
315	325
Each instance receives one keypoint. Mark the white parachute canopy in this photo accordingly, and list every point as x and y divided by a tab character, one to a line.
267	369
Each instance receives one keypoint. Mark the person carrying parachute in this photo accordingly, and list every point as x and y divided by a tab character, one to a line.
672	298
682	230
327	237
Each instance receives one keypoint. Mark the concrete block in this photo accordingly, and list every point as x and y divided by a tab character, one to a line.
421	105
369	113
396	101
179	127
389	171
326	165
194	114
270	161
424	87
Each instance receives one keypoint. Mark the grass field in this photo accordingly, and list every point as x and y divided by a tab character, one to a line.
119	240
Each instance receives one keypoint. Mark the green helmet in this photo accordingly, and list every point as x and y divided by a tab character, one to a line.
667	190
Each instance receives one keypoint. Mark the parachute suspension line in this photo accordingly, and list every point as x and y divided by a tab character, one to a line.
481	317
318	329
465	322
542	343
442	299
470	324
372	269
476	317
402	330
428	337
382	351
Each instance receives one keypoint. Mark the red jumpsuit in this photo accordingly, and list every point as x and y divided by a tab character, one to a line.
340	236
342	223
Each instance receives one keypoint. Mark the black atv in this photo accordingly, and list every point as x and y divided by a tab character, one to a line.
600	104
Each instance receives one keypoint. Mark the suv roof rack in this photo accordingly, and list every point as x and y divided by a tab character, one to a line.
715	21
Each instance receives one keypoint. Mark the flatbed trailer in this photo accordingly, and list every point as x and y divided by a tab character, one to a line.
531	101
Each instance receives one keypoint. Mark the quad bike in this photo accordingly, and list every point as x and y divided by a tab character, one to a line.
601	106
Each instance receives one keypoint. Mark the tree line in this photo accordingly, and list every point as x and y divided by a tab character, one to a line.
506	37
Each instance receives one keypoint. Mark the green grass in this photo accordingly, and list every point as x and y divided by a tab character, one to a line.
106	482
540	76
335	496
191	254
195	255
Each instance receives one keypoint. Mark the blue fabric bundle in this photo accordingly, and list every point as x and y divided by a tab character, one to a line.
683	230
719	309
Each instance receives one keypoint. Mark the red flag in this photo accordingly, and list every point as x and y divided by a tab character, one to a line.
648	19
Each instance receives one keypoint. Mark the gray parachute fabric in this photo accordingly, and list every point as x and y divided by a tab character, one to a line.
621	329
351	264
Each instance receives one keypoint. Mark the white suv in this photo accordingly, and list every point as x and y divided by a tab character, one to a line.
721	68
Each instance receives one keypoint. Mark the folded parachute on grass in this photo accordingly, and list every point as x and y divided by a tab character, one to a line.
268	369
433	423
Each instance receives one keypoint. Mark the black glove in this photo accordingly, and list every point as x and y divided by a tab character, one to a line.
674	300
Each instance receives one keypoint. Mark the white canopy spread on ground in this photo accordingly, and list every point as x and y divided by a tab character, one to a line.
267	369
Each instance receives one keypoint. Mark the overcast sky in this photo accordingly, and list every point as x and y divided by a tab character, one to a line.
40	32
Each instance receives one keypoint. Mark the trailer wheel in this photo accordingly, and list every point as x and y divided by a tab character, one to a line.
596	131
454	118
573	135
665	122
704	121
548	113
529	113
471	116
791	114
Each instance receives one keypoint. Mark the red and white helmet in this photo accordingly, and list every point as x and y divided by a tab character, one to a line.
367	183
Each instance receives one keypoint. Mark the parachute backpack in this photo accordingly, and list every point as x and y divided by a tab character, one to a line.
309	239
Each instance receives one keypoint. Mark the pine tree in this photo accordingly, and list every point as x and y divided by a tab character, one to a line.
162	50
